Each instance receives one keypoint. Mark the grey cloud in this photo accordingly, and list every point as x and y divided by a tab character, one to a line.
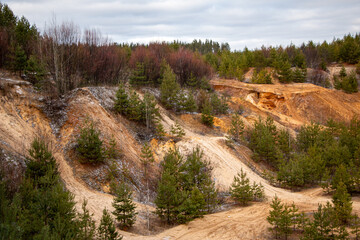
241	23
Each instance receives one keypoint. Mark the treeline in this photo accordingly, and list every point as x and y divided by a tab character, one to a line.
311	55
74	58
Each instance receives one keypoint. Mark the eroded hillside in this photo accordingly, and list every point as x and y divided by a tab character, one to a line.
291	105
24	114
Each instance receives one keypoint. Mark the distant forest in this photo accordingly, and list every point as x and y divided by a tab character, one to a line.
72	57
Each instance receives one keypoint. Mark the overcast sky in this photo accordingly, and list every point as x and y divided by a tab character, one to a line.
250	23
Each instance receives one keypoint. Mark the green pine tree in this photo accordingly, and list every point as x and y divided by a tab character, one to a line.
349	83
243	192
192	81
35	71
192	207
275	216
285	73
322	225
169	88
342	204
122	100
47	209
124	211
169	195
107	229
135	110
198	174
89	144
207	117
282	217
20	60
342	73
112	152
237	127
149	111
40	161
138	76
190	103
160	131
241	189
86	224
147	157
177	130
299	75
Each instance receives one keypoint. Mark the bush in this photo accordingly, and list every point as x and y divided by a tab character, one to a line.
89	144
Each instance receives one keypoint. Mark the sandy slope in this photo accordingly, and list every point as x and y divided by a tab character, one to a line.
21	119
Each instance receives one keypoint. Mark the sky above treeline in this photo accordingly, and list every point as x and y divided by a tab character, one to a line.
250	23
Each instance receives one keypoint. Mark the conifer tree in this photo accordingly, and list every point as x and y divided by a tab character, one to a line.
122	100
263	77
20	60
192	81
146	157
40	160
107	229
207	117
322	225
198	174
138	76
242	191
169	88
47	208
349	83
169	196
87	228
275	215
185	190
263	141
112	151
285	73
35	71
124	207
342	204
299	75
237	127
190	103
149	111
177	130
281	217
192	207
135	109
219	104
90	146
160	131
342	73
